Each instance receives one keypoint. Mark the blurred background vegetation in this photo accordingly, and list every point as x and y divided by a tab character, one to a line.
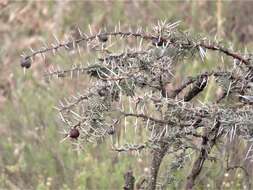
31	155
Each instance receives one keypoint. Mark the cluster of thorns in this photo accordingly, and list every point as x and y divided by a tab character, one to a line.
133	87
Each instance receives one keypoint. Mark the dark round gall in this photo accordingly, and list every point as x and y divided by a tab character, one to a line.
158	42
74	133
102	37
111	131
25	62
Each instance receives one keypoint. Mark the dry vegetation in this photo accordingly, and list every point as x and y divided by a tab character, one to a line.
31	155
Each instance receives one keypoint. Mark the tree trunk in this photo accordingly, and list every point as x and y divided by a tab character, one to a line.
157	157
208	141
129	180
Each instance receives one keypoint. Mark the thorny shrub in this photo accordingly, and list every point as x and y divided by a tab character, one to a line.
134	79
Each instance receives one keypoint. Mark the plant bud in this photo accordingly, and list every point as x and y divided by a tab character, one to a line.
102	37
111	131
74	133
158	42
25	62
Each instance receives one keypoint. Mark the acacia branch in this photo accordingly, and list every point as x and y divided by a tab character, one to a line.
126	148
148	118
85	39
129	180
144	36
198	87
207	143
189	81
226	52
156	160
